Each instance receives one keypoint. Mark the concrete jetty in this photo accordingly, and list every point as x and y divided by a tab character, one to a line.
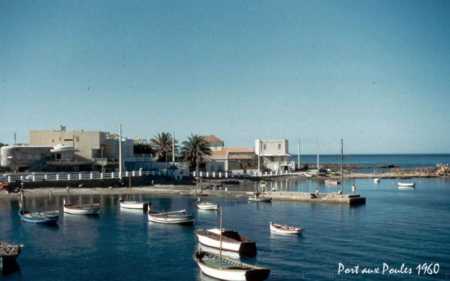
350	199
186	190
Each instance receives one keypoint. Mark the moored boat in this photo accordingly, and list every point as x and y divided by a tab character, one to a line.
216	251
174	217
136	205
81	209
207	206
48	217
43	217
406	185
224	268
257	197
332	182
284	229
231	241
376	180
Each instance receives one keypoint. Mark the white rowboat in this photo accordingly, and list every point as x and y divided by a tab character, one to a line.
376	180
260	198
207	206
228	254
406	185
224	268
136	205
231	241
84	209
332	182
284	229
174	217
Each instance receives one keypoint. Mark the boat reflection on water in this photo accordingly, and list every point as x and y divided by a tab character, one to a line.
132	211
12	267
229	254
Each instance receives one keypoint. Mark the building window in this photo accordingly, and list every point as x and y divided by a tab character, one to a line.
279	146
264	146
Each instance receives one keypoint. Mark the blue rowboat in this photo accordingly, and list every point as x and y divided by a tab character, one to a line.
50	217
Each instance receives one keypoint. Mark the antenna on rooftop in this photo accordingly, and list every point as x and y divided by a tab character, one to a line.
120	152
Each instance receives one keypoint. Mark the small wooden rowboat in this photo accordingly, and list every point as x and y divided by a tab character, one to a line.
45	217
257	197
284	229
208	206
174	217
406	185
332	182
228	254
224	268
49	217
136	205
231	241
82	209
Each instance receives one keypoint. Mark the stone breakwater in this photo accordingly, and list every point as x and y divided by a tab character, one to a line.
188	190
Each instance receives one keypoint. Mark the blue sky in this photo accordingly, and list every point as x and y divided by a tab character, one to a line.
374	72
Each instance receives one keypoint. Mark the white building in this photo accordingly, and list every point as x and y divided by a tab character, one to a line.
236	159
274	155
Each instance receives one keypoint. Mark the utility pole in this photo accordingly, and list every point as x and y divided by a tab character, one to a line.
259	160
342	164
173	147
318	156
15	138
120	152
298	154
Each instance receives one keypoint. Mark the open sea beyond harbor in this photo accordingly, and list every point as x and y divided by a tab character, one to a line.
394	227
379	160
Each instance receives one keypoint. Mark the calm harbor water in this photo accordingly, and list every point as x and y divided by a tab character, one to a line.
394	227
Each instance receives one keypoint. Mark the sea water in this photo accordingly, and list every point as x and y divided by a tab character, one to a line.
396	231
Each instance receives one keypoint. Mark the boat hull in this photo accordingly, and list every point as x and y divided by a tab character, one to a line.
332	182
247	248
177	217
244	273
39	218
83	210
208	206
135	205
406	185
260	199
279	231
216	251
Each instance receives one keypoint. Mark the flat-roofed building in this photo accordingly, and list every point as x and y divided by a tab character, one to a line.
21	156
88	145
236	159
274	154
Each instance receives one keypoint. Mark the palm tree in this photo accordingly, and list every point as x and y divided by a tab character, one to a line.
162	146
194	149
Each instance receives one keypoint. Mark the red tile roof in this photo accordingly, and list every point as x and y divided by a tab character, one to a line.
212	139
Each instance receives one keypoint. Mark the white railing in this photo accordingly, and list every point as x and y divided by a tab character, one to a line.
81	176
231	174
